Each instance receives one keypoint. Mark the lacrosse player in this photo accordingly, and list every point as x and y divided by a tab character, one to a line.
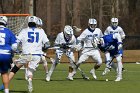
87	49
43	58
7	45
32	39
65	41
114	28
111	45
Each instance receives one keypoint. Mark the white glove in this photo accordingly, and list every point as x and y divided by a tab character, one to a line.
78	47
120	46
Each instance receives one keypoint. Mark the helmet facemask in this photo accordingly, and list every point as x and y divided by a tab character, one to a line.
32	21
92	23
68	32
68	36
114	22
3	20
92	26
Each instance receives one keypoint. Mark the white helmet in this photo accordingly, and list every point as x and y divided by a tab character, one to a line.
32	19
68	32
39	22
3	19
114	22
92	23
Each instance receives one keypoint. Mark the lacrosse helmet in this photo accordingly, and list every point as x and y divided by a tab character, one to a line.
68	32
92	23
114	22
32	21
3	19
39	22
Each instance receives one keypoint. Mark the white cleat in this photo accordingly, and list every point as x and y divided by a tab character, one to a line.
48	78
106	71
118	79
70	78
93	73
30	86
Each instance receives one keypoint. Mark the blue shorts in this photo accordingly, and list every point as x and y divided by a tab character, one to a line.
5	63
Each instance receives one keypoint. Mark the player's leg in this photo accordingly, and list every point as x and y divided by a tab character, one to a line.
97	57
45	64
54	64
5	65
13	70
121	53
108	63
5	80
72	66
26	69
33	64
119	67
82	59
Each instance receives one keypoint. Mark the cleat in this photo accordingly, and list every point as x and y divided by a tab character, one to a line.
92	72
106	71
2	87
30	86
123	69
118	79
86	78
48	78
70	78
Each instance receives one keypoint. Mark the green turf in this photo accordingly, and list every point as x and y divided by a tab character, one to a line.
59	83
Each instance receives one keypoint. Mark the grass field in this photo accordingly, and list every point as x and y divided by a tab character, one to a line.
59	83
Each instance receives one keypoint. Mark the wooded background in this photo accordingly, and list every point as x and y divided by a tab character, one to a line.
58	13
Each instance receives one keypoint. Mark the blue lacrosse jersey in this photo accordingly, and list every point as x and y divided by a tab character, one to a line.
7	38
110	45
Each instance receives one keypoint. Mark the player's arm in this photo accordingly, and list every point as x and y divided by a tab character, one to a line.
118	37
46	41
13	41
106	31
80	40
101	34
122	33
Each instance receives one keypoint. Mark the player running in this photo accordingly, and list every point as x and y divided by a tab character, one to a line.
87	48
43	58
66	42
111	45
32	39
8	44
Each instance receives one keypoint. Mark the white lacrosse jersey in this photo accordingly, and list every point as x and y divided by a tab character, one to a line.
88	35
32	40
60	39
119	30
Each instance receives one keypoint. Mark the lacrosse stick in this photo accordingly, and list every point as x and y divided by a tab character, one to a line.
82	73
51	59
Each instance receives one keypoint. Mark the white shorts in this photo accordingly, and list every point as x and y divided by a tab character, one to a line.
34	63
95	54
23	59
